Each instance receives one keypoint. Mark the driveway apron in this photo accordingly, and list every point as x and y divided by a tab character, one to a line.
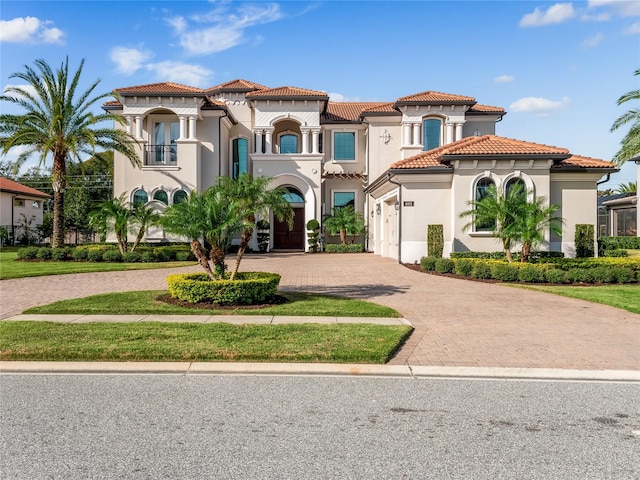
457	322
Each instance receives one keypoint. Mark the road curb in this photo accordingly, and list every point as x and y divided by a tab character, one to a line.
318	369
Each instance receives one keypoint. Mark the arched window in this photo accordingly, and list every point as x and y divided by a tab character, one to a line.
240	156
515	182
481	192
288	143
179	197
161	196
140	197
431	133
293	195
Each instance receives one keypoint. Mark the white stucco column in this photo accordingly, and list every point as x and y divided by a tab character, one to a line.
192	128
139	127
268	140
458	131
416	134
183	127
258	133
406	134
315	143
305	141
449	134
129	120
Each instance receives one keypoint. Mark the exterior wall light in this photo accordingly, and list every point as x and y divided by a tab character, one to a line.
378	210
397	205
386	136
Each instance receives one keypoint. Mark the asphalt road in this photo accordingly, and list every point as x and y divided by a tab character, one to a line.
278	427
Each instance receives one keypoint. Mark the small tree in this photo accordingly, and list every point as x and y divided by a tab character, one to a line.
313	234
530	226
345	221
584	238
112	215
142	217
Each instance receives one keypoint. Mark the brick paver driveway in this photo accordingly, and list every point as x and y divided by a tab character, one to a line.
458	322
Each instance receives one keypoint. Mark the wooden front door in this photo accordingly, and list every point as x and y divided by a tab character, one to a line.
293	239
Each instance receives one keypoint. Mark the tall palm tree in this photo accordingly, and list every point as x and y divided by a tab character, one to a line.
345	221
253	198
209	216
630	187
630	145
497	212
112	215
532	225
58	123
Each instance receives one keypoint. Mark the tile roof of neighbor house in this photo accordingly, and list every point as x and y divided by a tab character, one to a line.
236	86
112	103
486	109
349	111
491	146
166	88
432	97
288	93
7	185
578	161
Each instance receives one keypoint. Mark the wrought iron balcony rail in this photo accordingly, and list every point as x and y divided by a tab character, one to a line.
159	155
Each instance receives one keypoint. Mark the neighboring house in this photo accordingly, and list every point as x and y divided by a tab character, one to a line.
20	211
618	215
404	164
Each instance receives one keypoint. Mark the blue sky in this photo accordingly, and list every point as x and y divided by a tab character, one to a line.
556	67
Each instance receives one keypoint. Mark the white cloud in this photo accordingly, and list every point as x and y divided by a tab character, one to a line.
27	88
178	72
338	97
29	30
632	29
221	29
129	60
625	8
504	79
594	41
539	105
558	13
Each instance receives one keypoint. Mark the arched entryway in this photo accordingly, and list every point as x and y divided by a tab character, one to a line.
291	239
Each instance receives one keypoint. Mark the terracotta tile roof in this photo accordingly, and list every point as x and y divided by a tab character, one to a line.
7	185
160	88
578	161
212	101
486	145
234	86
382	108
435	98
348	111
113	103
288	93
345	176
486	108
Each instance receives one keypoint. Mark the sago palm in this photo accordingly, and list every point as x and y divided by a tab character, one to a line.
58	122
630	145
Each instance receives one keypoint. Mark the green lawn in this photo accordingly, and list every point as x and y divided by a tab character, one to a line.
147	303
626	297
344	343
11	268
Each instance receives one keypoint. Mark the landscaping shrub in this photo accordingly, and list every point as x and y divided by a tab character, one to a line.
555	275
94	255
580	275
531	274
148	257
28	253
435	240
343	248
248	288
584	238
112	256
44	253
533	256
617	243
623	275
184	256
616	253
60	254
444	265
79	254
463	267
481	270
163	254
131	257
602	275
505	272
313	234
428	264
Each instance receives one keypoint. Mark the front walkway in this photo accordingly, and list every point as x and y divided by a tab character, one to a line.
458	322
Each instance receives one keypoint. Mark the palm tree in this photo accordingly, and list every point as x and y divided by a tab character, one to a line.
142	217
530	227
345	221
497	212
631	187
210	216
58	122
630	145
254	198
112	215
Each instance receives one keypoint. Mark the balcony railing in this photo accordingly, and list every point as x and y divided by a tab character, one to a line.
161	155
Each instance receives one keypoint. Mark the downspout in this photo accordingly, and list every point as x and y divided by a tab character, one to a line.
605	180
399	216
220	143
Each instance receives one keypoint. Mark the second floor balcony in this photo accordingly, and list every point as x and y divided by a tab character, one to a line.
161	155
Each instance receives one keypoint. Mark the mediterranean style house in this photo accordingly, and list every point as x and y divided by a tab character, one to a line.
21	210
403	164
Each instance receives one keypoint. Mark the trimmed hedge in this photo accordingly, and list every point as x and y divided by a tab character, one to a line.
346	248
444	265
108	253
535	256
618	243
248	288
112	256
428	263
435	240
584	240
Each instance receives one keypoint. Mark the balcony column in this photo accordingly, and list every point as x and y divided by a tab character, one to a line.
406	134
139	127
416	134
449	135
183	127
258	134
305	141
458	131
129	120
192	128
268	140
315	143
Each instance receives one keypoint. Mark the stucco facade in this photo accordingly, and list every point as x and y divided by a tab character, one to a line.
329	154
